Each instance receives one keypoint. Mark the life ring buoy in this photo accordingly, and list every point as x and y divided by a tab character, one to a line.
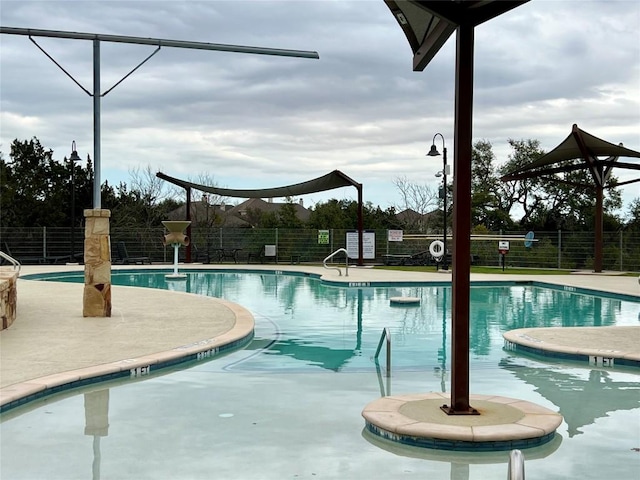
436	249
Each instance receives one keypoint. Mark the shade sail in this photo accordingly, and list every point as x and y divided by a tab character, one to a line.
580	145
429	24
335	179
586	150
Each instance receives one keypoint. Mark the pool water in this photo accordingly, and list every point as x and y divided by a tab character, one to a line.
288	405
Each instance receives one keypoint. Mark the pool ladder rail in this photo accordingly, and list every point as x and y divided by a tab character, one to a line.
11	260
386	335
346	270
516	458
516	465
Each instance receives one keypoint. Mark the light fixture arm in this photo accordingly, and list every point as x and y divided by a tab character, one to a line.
433	142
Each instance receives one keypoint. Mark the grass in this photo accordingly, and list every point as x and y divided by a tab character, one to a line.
493	270
498	270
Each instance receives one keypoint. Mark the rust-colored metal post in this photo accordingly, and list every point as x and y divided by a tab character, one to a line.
188	218
462	224
360	227
598	227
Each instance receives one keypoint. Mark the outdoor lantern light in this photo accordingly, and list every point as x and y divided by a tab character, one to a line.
434	153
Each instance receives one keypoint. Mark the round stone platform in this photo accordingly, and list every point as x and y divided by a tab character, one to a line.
404	301
503	424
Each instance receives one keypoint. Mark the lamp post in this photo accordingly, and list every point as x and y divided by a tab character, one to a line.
73	158
434	153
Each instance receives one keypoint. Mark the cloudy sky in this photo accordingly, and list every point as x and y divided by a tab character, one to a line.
253	121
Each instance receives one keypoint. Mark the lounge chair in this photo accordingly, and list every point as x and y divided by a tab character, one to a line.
265	254
124	257
23	259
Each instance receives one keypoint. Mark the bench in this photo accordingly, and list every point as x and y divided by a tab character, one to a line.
223	254
395	260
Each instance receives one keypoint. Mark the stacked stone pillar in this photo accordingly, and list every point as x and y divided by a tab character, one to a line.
96	301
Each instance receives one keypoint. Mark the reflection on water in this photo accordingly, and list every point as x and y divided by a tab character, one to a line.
581	395
96	414
262	403
461	462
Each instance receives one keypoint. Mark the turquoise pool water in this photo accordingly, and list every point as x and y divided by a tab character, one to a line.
288	406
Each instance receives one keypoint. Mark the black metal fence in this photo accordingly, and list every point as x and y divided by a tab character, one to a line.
559	249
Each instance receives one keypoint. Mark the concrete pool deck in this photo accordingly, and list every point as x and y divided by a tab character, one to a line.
51	345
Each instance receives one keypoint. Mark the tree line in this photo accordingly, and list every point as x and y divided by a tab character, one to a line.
36	192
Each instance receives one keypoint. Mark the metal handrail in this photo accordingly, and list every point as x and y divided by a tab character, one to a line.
516	465
11	260
346	270
386	334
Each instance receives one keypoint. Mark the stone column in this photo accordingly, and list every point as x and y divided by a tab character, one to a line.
96	301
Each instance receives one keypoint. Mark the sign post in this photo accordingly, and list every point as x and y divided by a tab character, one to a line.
503	248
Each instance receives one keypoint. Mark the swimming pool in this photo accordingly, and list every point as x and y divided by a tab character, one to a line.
288	406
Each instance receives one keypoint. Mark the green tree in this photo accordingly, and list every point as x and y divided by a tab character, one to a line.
7	193
567	201
36	188
343	215
375	218
332	214
633	222
524	195
288	215
490	205
558	201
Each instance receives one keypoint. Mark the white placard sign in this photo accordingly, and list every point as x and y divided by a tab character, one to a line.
394	235
368	245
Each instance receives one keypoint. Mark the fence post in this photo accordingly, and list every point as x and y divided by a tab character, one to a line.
331	250
44	242
559	249
621	269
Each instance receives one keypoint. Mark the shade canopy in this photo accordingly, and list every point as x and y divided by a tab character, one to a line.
429	24
586	149
335	179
